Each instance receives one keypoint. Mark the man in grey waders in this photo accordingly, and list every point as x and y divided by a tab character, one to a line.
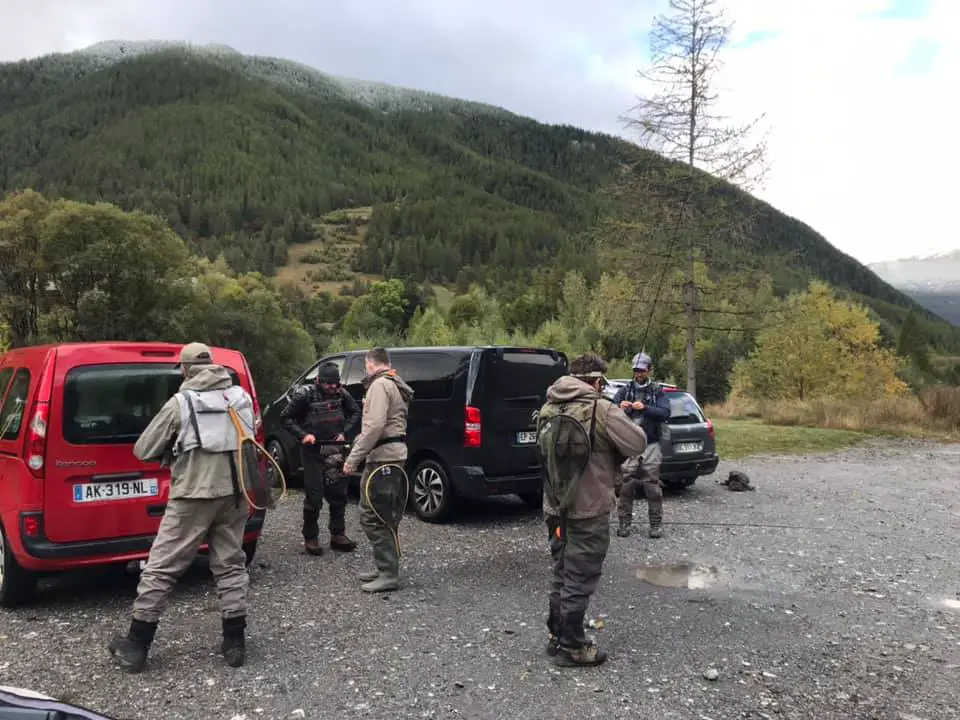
382	446
644	402
194	434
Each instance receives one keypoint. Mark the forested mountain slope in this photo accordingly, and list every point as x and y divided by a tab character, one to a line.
242	154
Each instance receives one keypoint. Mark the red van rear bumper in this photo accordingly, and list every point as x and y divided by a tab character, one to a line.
39	554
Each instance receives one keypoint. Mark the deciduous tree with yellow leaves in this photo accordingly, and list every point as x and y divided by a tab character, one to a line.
819	346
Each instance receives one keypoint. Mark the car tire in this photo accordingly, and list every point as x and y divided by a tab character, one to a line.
277	453
431	492
532	499
250	550
17	586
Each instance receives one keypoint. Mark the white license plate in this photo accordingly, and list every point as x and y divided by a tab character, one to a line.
691	447
526	438
119	490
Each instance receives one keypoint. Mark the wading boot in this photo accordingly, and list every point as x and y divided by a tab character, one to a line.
655	530
384	582
233	647
342	543
313	547
624	529
574	649
368	575
553	629
130	652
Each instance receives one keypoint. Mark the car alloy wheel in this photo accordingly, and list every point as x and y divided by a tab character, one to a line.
428	490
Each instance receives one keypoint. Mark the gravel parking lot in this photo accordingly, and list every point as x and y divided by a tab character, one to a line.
832	591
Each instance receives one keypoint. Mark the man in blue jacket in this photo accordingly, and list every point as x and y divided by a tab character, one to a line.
644	402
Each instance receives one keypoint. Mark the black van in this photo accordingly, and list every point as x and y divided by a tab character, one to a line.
470	432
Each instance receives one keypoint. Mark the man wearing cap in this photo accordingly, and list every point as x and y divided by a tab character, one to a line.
317	415
194	435
644	402
577	500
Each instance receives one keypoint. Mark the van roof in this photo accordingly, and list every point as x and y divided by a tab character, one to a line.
69	348
448	348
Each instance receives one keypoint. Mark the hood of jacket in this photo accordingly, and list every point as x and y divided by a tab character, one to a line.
569	388
406	392
207	377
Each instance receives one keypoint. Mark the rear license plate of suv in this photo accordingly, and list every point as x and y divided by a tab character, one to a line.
690	447
119	490
528	437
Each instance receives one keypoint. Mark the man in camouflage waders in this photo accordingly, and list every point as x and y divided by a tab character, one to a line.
583	438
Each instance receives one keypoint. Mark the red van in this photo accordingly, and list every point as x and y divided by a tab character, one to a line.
72	493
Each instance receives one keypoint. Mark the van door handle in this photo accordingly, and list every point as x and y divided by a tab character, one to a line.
117	477
155	510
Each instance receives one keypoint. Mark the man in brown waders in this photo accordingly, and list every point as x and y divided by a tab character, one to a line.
194	430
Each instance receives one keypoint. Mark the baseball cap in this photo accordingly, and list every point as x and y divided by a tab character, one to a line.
641	361
195	353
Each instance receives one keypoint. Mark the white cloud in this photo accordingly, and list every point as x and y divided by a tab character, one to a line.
859	150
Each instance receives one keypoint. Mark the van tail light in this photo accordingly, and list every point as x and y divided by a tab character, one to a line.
37	439
258	431
473	427
711	431
36	442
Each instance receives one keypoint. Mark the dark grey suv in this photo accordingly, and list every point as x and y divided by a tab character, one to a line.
692	449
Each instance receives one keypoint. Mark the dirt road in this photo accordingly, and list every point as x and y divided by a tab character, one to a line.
832	591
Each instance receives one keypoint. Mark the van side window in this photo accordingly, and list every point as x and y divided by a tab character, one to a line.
5	376
11	415
429	374
311	376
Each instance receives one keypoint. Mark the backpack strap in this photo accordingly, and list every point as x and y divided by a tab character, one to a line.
193	420
593	424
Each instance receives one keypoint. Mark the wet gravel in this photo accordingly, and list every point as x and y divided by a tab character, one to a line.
832	591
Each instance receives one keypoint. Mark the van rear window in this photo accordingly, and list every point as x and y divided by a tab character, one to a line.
113	404
524	375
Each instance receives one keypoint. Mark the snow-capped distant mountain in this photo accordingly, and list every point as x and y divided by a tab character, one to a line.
932	281
288	72
937	273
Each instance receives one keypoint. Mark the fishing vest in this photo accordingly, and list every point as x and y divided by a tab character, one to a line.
656	431
205	422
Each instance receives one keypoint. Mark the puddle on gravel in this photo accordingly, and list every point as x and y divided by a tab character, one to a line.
679	575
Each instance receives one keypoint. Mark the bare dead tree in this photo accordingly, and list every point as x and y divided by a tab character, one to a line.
679	120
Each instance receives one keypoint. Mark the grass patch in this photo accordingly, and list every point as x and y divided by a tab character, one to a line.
741	438
933	413
325	263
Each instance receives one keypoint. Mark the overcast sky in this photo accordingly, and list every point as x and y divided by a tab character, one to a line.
861	145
